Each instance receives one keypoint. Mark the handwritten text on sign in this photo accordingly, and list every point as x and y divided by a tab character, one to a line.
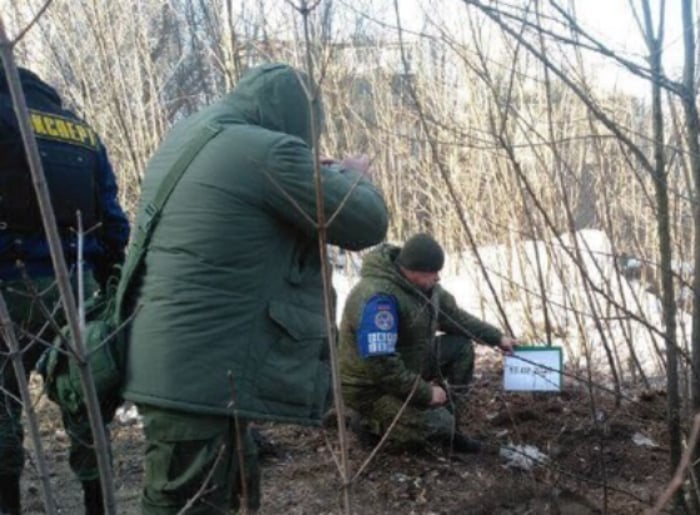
532	369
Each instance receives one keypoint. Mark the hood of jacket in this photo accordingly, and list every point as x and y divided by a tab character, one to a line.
273	96
31	83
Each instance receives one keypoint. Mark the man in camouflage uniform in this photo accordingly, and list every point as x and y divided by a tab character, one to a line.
389	351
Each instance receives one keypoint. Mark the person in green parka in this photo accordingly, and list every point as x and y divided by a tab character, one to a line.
229	316
391	353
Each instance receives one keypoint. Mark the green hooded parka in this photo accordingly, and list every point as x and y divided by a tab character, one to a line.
229	308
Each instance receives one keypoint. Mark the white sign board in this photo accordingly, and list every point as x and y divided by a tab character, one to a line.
533	369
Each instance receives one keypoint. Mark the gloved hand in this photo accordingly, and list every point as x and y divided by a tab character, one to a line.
107	269
106	275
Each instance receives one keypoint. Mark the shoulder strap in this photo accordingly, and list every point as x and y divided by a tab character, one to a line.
152	211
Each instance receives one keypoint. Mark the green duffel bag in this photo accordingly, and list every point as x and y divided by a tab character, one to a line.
104	342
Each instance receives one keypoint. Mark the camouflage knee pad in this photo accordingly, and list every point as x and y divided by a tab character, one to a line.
414	427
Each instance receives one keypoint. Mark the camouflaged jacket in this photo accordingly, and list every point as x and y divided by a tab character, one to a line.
419	317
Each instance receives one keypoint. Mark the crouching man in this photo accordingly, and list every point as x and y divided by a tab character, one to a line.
390	350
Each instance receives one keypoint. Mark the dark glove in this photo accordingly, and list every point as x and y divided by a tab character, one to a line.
107	270
106	275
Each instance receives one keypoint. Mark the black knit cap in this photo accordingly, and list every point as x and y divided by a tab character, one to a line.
421	253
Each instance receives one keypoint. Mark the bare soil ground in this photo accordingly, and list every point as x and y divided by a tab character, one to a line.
594	465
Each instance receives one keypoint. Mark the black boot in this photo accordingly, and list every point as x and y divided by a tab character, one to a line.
464	444
92	492
9	495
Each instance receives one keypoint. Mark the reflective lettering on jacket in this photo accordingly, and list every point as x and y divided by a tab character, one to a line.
378	331
59	128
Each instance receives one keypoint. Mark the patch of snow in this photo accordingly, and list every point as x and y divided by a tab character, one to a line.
127	415
522	457
644	441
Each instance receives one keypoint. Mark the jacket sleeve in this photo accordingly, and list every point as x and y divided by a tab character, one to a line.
114	232
362	218
381	361
454	320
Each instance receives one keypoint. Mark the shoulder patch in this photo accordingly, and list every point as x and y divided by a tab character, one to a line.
379	327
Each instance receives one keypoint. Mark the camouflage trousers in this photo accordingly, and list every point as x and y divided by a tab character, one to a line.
34	333
192	460
453	362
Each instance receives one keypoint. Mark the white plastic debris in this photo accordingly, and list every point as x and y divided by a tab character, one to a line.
643	441
398	477
522	457
128	415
